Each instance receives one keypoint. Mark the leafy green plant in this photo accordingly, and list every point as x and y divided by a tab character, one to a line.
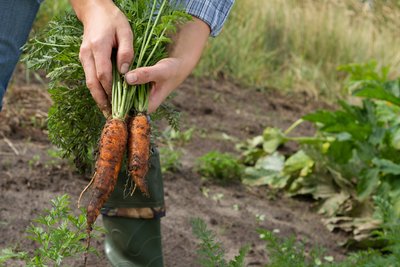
58	235
352	156
287	252
174	137
74	121
290	253
170	159
222	167
173	141
211	252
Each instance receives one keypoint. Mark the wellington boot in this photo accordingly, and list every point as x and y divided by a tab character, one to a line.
133	242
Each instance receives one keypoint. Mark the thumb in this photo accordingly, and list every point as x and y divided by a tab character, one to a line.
145	75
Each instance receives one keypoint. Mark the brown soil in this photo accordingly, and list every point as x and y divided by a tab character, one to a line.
30	176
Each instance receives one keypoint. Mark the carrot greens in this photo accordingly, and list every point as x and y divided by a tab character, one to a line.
74	120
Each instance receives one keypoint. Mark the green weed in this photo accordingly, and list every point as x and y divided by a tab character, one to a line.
218	166
34	161
211	252
171	153
290	253
58	235
173	137
170	159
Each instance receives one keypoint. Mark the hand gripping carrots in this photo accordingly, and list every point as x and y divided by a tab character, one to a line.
129	124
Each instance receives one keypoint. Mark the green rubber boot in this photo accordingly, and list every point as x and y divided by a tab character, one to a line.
134	239
133	242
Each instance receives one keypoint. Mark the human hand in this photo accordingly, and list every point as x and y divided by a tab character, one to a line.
165	76
170	72
105	28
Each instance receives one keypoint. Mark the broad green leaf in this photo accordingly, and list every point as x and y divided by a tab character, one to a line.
365	151
343	137
378	135
256	141
377	92
258	177
273	138
322	116
365	72
395	138
350	120
274	162
367	183
279	181
395	196
387	113
341	152
267	171
342	182
300	163
387	166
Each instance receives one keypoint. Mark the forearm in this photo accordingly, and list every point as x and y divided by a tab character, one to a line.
81	7
189	44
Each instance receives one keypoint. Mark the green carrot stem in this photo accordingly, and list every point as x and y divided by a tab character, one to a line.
155	47
144	49
147	29
119	93
114	92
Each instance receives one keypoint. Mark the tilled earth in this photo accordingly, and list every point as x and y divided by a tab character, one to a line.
31	175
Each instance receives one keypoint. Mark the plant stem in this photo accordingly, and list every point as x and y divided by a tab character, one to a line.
155	47
148	36
293	126
114	92
147	30
50	44
307	139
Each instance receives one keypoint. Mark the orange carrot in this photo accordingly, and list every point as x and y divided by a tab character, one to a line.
108	165
139	150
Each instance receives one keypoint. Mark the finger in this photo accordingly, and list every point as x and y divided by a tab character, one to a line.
125	49
103	64
156	73
157	96
94	86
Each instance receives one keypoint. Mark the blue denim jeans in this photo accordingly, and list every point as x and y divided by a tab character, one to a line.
16	18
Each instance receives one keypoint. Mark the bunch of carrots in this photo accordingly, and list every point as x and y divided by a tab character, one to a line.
128	128
75	122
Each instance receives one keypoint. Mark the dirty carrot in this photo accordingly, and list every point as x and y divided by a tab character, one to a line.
108	165
112	146
139	150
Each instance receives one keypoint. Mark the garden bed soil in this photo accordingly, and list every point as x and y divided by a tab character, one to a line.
31	176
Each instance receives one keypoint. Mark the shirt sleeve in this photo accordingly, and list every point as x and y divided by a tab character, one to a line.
212	12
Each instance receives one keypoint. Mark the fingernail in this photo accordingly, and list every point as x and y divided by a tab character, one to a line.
131	78
124	68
